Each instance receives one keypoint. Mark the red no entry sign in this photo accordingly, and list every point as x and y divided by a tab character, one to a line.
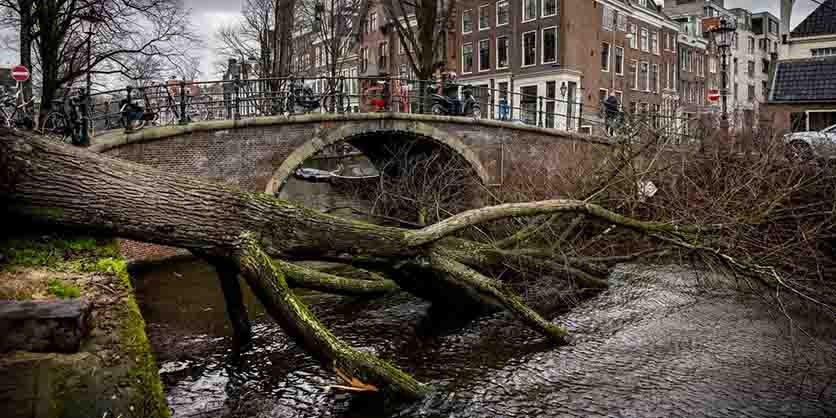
20	73
713	95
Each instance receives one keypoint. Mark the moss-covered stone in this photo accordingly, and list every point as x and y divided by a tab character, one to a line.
114	373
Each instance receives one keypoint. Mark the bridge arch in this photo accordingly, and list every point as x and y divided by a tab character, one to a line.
384	128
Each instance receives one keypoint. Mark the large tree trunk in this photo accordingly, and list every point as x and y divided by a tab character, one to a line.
66	186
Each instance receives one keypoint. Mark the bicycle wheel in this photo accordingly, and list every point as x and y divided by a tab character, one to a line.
56	127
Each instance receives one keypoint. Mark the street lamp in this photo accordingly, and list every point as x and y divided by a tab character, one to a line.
87	26
723	35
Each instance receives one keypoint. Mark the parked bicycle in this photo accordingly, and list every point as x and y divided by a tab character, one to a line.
14	111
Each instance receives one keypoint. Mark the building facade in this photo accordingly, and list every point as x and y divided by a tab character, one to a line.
803	89
752	54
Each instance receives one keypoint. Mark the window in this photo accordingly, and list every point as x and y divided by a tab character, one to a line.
712	65
551	94
364	59
609	18
635	38
383	55
528	104
634	74
549	7
372	21
751	45
484	23
549	45
823	52
644	76
602	96
644	40
751	68
529	10
502	52
529	48
670	41
654	42
484	55
502	13
467	58
751	92
619	60
765	64
467	21
736	66
654	78
605	56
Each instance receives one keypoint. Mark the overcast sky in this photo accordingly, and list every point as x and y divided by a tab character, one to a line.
209	15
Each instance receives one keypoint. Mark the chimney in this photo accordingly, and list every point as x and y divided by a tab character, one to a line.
786	16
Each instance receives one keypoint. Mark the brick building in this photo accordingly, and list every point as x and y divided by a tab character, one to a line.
803	93
572	53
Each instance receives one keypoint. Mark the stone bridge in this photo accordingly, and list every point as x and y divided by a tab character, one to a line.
260	154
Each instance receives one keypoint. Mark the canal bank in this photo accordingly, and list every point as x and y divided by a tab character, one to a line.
109	371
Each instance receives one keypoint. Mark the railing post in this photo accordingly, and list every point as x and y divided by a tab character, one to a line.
342	95
183	119
492	113
128	101
84	137
540	111
237	85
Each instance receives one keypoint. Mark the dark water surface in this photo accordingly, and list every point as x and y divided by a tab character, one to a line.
654	345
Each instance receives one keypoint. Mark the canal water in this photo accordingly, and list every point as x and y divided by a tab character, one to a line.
659	343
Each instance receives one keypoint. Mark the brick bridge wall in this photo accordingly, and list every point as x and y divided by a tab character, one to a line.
259	154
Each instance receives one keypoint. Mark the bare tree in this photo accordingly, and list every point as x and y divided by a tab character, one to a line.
253	37
423	27
334	26
114	30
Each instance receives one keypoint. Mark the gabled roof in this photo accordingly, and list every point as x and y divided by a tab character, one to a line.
821	22
805	81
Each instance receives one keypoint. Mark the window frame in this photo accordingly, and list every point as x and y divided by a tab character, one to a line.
654	42
616	61
508	14
487	19
522	48
543	45
471	57
645	40
606	68
633	29
523	9
543	8
487	41
467	12
507	56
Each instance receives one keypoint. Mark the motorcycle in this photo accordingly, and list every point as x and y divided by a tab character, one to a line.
453	106
301	98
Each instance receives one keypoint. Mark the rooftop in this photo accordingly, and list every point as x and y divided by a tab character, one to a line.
805	80
821	22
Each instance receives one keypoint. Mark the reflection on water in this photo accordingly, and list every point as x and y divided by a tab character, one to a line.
654	345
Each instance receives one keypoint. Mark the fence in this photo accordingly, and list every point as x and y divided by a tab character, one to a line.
183	102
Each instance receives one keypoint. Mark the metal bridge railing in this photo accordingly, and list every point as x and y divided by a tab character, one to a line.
184	102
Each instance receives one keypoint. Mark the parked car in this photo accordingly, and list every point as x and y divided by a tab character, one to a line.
811	144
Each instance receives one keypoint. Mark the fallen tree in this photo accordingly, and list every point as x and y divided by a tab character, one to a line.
261	237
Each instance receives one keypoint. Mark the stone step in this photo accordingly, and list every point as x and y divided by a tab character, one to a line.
44	326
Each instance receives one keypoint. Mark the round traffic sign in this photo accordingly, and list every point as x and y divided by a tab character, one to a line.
713	95
20	73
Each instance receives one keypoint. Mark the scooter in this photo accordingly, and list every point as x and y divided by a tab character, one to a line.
133	115
301	98
452	106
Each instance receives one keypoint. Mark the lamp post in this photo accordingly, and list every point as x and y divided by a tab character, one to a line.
723	36
84	135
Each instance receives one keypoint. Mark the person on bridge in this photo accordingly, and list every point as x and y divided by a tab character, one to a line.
612	113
